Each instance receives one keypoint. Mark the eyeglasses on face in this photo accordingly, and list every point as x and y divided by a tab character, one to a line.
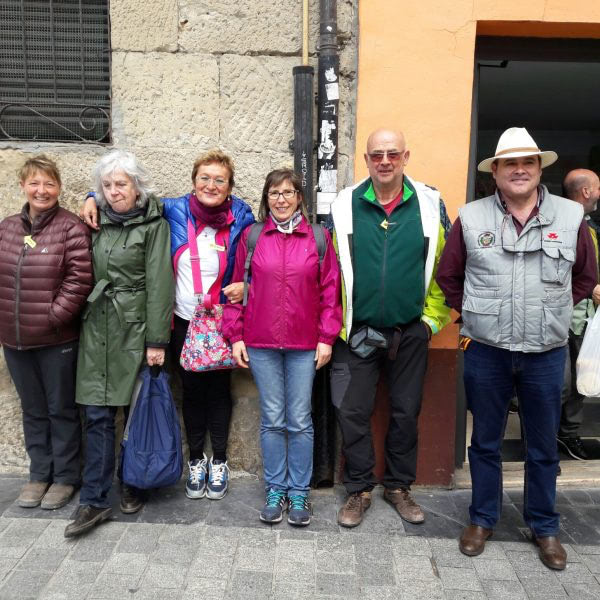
392	155
205	180
287	194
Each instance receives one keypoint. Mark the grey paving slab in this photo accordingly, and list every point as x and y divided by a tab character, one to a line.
143	538
170	505
53	536
251	584
126	563
42	559
542	586
414	568
421	590
375	574
464	595
24	584
206	588
164	576
6	566
92	550
583	591
504	590
411	546
575	573
495	570
335	562
459	579
330	584
114	585
168	553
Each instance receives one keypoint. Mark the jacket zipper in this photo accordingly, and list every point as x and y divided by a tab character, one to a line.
383	270
281	332
18	296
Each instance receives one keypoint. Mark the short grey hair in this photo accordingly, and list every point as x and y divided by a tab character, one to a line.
128	163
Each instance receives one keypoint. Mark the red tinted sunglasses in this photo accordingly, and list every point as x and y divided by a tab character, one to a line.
393	155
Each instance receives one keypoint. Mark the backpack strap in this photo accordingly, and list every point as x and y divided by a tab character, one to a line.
255	231
320	240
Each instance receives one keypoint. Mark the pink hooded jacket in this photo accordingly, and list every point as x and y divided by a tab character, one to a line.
292	302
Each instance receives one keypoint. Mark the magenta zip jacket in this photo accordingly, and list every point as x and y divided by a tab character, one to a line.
293	303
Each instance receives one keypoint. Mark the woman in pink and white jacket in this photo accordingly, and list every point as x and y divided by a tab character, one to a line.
284	333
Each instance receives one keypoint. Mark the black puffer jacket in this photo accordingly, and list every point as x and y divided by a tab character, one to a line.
44	283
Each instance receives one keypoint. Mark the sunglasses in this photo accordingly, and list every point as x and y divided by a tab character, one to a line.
393	155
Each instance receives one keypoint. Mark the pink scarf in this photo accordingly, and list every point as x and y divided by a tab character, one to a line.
211	216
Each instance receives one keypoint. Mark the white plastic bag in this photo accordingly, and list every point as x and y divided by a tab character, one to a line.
588	361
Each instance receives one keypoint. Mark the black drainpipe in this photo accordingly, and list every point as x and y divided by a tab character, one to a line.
303	143
329	94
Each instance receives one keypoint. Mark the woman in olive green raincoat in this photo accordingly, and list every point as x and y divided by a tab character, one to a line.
127	321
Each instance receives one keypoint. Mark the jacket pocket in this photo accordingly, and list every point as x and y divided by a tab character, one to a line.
556	263
556	317
481	317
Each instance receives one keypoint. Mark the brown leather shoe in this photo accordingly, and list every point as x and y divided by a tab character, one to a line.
351	514
552	554
57	496
32	493
403	502
473	538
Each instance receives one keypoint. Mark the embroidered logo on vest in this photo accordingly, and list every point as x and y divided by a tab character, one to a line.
486	239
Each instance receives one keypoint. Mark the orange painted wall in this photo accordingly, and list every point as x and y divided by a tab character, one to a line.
415	72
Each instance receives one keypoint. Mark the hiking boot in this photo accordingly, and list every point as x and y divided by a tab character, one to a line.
403	502
299	510
218	479
272	511
195	486
573	446
57	496
32	493
87	518
131	499
351	514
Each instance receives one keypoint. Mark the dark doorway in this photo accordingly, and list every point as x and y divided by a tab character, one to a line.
551	87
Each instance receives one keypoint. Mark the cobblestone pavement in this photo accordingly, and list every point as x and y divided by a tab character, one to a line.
198	549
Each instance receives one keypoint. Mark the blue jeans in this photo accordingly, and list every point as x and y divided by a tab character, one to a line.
99	456
284	379
490	376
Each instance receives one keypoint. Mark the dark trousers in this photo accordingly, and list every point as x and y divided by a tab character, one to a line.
353	389
490	375
45	381
100	455
572	400
206	401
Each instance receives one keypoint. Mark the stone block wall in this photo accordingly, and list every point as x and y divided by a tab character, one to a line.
189	75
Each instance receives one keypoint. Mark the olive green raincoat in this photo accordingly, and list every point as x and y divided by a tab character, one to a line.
129	309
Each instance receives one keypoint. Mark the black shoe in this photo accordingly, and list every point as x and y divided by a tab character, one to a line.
573	446
558	471
131	499
87	517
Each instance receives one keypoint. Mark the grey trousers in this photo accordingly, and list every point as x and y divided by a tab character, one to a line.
572	401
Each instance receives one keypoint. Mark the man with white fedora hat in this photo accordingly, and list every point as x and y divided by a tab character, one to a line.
513	266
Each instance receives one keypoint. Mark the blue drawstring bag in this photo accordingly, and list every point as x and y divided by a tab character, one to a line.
151	453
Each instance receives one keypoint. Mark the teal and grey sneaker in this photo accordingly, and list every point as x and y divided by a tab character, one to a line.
218	479
299	510
195	486
272	511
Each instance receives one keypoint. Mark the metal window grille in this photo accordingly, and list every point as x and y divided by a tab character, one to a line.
55	70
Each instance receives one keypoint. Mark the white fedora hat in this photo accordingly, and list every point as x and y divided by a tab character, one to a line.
515	142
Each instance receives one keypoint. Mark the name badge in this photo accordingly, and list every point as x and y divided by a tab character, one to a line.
29	241
216	247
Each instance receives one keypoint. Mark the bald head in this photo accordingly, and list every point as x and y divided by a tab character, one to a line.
386	157
583	186
385	135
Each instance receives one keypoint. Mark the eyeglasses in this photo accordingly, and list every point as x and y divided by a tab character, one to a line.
205	180
287	194
393	155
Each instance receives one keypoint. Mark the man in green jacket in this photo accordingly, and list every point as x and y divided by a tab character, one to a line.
389	232
583	186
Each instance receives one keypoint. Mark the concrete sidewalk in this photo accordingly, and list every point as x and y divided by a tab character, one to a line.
179	548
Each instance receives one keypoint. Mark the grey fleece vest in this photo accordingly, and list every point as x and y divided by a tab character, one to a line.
517	291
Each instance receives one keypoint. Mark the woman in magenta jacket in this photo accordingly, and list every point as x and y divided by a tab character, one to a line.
284	333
